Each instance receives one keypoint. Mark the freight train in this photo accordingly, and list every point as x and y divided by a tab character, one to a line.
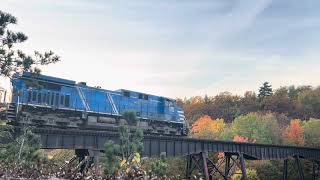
46	101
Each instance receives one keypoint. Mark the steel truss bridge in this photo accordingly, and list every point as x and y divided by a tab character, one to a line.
196	151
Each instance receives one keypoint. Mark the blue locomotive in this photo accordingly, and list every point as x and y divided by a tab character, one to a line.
50	101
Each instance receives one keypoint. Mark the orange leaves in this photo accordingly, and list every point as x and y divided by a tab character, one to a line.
238	138
293	134
205	127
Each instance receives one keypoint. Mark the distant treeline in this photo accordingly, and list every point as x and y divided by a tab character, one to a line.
302	102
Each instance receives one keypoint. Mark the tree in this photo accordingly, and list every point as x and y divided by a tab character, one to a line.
112	162
278	102
256	128
194	108
265	90
312	133
13	60
309	101
249	103
206	99
226	106
121	157
130	117
205	127
293	134
24	150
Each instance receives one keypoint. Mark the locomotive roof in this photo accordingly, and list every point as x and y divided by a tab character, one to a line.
71	82
121	90
48	78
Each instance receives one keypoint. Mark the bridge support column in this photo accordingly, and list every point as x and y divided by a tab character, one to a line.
243	167
199	162
300	168
189	167
203	164
204	156
315	168
227	165
285	169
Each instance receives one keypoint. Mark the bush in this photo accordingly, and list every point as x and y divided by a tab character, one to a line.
269	170
251	173
160	167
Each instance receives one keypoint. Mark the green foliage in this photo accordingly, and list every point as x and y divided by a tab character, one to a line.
257	128
130	147
269	170
5	132
13	60
176	167
124	141
24	150
130	117
137	141
312	132
160	167
111	160
251	174
227	133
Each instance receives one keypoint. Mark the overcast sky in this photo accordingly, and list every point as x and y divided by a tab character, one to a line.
176	48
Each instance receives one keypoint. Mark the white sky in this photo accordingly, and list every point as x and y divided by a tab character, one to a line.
175	48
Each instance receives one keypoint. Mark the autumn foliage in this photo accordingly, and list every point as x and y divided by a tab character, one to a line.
205	127
294	133
238	138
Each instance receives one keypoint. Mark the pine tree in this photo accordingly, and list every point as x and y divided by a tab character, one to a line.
118	157
206	99
265	90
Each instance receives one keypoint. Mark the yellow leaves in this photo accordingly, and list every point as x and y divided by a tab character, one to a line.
136	158
205	127
123	162
50	157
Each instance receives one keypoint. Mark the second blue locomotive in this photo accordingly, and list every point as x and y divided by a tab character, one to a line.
50	101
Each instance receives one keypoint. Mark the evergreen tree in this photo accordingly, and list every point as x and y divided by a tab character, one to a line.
206	99
265	90
130	117
120	158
